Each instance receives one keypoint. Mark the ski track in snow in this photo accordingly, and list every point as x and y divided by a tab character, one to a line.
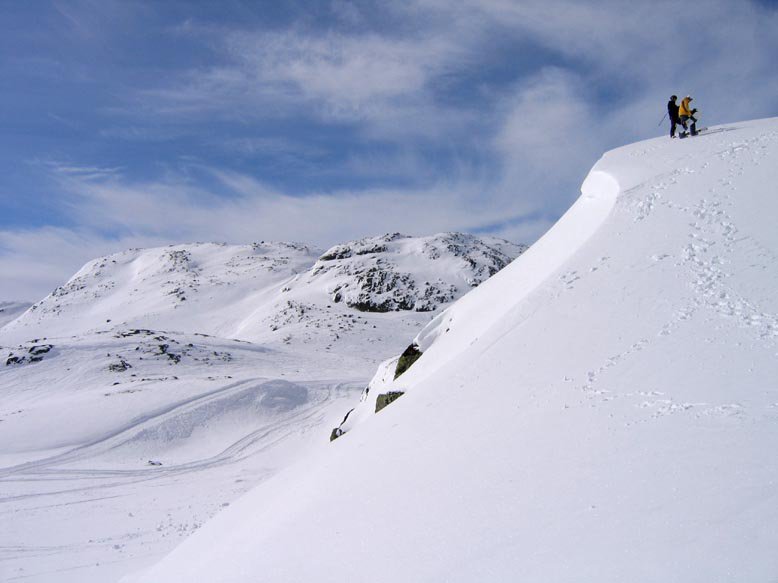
48	468
67	481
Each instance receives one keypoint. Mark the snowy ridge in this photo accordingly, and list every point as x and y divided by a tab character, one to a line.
616	422
266	292
201	287
484	307
387	273
546	256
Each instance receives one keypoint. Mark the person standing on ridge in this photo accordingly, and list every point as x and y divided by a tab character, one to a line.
672	113
686	113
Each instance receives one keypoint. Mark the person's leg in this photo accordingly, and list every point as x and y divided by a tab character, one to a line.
672	128
682	121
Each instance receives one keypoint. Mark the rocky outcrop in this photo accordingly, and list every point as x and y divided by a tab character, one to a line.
386	399
395	272
26	355
407	358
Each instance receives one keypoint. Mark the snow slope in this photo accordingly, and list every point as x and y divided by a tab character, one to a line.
9	311
604	409
127	418
116	445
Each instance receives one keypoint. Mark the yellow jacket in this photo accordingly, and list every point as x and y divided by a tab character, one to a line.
685	108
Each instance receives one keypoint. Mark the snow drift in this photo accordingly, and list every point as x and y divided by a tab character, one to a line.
604	409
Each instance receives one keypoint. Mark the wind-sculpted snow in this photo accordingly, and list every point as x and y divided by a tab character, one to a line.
546	256
485	306
604	409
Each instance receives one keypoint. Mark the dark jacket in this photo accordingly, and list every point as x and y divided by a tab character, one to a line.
672	110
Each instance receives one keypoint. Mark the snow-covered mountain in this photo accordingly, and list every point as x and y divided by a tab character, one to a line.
267	292
393	272
604	409
157	385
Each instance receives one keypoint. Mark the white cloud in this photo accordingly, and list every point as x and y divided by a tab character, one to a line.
347	12
546	115
377	83
114	214
254	211
348	73
384	84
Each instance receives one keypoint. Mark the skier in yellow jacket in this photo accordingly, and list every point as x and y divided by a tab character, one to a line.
686	113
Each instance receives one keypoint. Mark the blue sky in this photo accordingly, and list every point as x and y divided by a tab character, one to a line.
126	124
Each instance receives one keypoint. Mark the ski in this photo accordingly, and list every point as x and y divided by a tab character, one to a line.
689	135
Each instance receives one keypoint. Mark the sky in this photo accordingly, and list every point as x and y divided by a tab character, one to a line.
134	124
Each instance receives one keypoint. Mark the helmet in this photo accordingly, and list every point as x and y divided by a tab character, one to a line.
673	97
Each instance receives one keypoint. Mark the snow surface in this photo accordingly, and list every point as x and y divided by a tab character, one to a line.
9	311
604	409
158	385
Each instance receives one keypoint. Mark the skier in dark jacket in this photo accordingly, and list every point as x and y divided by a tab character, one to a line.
672	113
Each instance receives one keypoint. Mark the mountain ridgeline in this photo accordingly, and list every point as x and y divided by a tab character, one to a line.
385	274
275	294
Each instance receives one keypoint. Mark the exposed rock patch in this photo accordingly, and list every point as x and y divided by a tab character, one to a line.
407	358
27	355
386	399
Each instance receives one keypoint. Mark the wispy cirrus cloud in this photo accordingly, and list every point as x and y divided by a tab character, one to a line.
113	214
254	210
365	80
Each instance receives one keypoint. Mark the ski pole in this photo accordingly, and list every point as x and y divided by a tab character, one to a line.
661	120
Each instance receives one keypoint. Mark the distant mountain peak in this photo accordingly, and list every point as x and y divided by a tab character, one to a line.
396	272
269	292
